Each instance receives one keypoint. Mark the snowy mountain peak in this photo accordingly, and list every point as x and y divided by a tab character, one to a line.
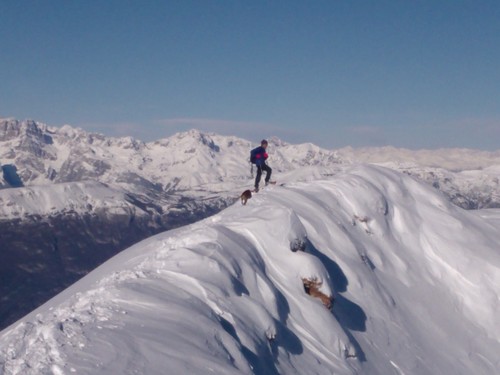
11	128
275	141
26	127
415	281
27	136
193	138
376	239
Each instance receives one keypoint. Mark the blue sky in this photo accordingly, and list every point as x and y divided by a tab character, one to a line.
414	74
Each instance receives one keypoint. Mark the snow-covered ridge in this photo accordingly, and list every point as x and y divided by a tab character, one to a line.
415	279
78	197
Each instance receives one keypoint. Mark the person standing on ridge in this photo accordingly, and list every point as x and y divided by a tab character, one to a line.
258	157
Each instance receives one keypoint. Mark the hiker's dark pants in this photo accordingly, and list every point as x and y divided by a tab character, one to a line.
260	168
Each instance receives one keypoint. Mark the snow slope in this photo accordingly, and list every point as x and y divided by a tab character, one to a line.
416	281
81	197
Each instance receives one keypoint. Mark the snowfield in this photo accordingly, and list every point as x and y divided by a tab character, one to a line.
416	282
81	197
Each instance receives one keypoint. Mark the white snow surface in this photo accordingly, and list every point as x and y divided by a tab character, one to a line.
63	198
416	282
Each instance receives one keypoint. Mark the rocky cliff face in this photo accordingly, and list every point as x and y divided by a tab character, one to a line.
28	145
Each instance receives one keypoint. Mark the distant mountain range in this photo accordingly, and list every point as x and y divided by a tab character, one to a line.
70	199
196	164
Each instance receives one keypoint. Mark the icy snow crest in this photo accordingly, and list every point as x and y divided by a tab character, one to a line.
416	282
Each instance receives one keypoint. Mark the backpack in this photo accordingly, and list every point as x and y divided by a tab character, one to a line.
253	153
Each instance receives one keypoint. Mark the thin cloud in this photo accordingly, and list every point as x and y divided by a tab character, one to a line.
475	132
213	125
368	135
245	129
117	129
366	130
487	125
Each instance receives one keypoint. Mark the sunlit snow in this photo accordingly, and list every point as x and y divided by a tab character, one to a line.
416	282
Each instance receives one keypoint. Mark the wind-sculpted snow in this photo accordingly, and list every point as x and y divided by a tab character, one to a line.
415	280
